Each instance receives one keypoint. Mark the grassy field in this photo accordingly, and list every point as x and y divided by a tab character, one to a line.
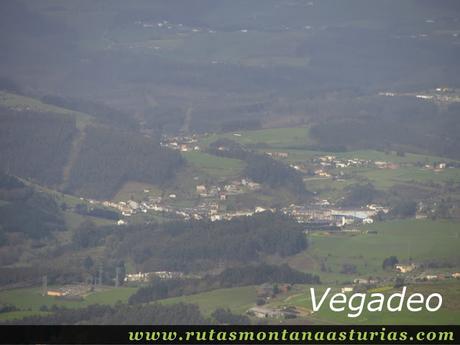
73	220
328	188
391	157
135	191
273	137
385	178
299	155
214	166
421	240
381	178
18	315
238	300
286	139
30	300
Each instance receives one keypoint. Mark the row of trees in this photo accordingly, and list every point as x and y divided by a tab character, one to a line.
231	277
199	245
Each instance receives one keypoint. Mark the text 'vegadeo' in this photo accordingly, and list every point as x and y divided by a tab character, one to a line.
356	303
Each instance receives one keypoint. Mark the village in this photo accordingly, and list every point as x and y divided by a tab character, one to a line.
440	95
319	215
210	199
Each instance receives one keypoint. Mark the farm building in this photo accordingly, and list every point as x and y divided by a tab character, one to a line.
405	268
347	289
264	312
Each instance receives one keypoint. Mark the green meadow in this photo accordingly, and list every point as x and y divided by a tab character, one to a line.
238	299
298	155
291	141
214	166
272	137
30	300
384	178
423	241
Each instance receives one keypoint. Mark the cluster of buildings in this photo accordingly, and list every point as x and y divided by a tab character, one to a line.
264	293
207	209
228	215
262	312
326	217
69	291
359	284
437	167
329	161
401	268
324	165
386	165
321	215
141	277
131	207
278	154
424	276
439	95
183	144
232	188
365	283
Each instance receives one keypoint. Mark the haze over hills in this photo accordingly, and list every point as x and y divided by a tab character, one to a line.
266	64
191	151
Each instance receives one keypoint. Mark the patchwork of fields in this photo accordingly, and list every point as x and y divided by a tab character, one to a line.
30	301
273	137
422	241
428	243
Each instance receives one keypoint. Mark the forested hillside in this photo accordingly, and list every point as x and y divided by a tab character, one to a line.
400	123
92	158
201	245
35	145
109	157
152	63
26	210
100	111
